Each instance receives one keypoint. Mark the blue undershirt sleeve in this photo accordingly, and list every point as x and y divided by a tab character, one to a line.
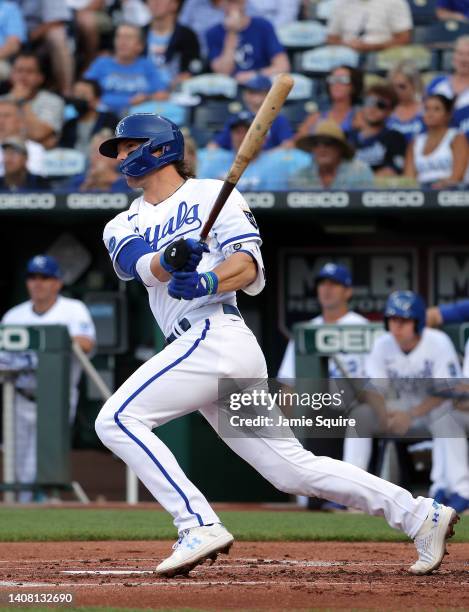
130	254
457	312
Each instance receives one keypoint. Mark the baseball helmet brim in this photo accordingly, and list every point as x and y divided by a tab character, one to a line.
109	148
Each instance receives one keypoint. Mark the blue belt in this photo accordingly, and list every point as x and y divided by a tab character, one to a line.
184	324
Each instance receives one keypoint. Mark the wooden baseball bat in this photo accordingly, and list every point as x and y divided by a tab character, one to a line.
252	144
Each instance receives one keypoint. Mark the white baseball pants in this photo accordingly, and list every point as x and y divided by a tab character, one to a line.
183	378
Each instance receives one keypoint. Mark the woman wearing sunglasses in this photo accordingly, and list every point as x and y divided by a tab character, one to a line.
344	88
438	158
407	83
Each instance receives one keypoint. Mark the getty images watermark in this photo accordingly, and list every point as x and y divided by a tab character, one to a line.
336	408
278	403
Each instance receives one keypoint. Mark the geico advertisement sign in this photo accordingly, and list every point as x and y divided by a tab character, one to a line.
320	199
358	340
14	339
393	199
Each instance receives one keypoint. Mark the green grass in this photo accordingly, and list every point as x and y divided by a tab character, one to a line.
60	524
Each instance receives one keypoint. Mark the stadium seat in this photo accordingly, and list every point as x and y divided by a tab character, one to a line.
210	117
174	112
387	59
63	162
324	59
211	86
441	34
295	112
302	34
303	89
423	11
447	60
324	9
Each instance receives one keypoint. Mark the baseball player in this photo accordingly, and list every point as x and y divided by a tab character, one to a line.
398	362
45	307
334	291
195	306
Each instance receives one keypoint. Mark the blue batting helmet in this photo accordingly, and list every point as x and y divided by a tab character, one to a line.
155	132
407	305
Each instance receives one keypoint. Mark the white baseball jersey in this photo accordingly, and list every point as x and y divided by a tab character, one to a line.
183	215
65	311
433	357
353	363
183	377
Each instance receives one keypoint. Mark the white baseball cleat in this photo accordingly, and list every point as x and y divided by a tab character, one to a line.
195	546
430	540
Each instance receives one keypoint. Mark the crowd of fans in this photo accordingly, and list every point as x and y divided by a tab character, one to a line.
70	70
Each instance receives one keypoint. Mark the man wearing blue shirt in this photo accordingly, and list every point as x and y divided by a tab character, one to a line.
269	170
12	34
126	78
243	46
452	9
254	92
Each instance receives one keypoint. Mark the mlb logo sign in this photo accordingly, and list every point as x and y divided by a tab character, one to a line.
375	272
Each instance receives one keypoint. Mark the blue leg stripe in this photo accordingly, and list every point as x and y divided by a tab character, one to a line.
139	442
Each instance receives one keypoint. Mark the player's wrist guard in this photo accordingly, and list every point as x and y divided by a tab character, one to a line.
183	254
208	281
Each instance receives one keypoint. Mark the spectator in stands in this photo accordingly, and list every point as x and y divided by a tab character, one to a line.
173	48
379	147
452	9
278	13
407	83
456	85
438	158
90	19
270	170
16	175
344	88
47	22
200	16
102	174
254	93
332	164
370	25
244	46
77	132
42	110
126	78
190	151
12	35
12	125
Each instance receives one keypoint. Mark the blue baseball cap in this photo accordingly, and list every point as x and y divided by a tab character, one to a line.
45	265
335	272
258	83
244	117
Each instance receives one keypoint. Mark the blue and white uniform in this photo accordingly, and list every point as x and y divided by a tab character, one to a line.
399	376
213	342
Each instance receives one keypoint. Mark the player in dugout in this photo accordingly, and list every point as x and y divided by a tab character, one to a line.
45	307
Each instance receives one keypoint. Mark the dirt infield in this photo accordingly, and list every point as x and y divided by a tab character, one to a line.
256	575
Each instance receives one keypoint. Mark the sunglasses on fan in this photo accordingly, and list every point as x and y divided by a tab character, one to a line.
380	103
338	80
